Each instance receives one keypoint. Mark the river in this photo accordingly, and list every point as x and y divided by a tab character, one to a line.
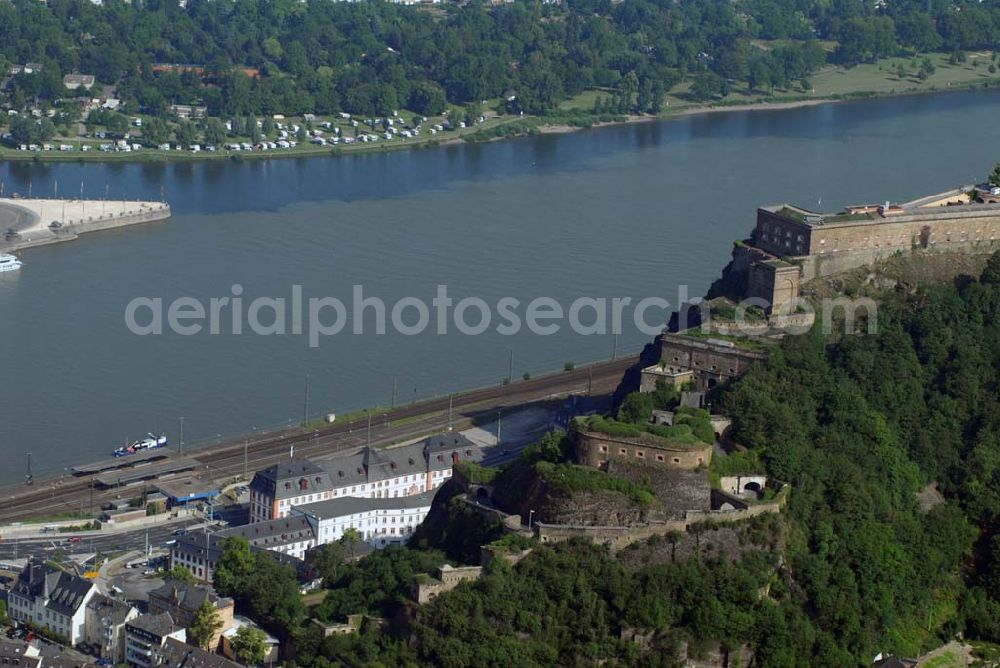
625	211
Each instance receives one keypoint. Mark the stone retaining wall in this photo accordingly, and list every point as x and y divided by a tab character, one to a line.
617	538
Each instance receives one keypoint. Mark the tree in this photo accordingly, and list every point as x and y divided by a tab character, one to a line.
236	567
253	130
991	273
927	67
328	560
427	98
155	131
706	86
995	175
215	132
186	133
29	130
181	574
3	612
116	123
350	539
204	625
250	645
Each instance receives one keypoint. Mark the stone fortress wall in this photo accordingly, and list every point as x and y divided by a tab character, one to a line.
596	450
791	245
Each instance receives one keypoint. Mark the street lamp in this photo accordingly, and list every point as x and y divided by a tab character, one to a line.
498	428
531	514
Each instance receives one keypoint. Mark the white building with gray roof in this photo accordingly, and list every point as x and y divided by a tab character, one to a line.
371	473
51	599
380	521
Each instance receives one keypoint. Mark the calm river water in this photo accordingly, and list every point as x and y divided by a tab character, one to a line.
630	211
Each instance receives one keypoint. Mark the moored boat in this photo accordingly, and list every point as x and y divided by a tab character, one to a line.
9	263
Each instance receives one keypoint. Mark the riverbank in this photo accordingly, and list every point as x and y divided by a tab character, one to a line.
42	222
888	78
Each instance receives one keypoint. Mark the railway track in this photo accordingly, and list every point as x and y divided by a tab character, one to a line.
66	494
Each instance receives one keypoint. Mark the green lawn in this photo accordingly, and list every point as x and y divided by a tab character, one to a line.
948	659
882	78
833	81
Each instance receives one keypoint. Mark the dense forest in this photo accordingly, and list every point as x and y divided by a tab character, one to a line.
370	58
860	426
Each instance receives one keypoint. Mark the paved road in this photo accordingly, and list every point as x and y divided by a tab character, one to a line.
15	217
226	460
118	542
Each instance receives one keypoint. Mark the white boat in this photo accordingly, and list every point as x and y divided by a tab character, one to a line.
9	263
151	442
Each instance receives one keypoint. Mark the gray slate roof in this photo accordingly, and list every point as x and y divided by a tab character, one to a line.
437	453
290	478
109	609
347	505
181	655
272	533
159	625
187	596
65	592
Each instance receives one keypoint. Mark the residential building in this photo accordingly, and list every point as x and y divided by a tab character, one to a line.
371	473
276	489
146	636
51	599
19	653
27	655
287	538
182	601
177	654
188	111
380	521
104	625
289	535
75	81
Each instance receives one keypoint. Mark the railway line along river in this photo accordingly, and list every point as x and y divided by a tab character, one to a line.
628	211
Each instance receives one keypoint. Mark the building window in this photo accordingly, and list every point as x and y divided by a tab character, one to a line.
676	460
640	454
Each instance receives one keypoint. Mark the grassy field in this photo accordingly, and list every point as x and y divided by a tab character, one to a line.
834	82
882	78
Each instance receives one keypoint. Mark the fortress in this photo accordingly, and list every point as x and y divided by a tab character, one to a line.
596	450
791	245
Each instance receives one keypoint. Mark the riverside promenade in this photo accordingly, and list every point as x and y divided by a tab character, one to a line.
26	223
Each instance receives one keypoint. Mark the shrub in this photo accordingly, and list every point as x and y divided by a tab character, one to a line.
582	479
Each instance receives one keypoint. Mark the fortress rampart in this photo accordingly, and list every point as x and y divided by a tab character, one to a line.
791	245
596	450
